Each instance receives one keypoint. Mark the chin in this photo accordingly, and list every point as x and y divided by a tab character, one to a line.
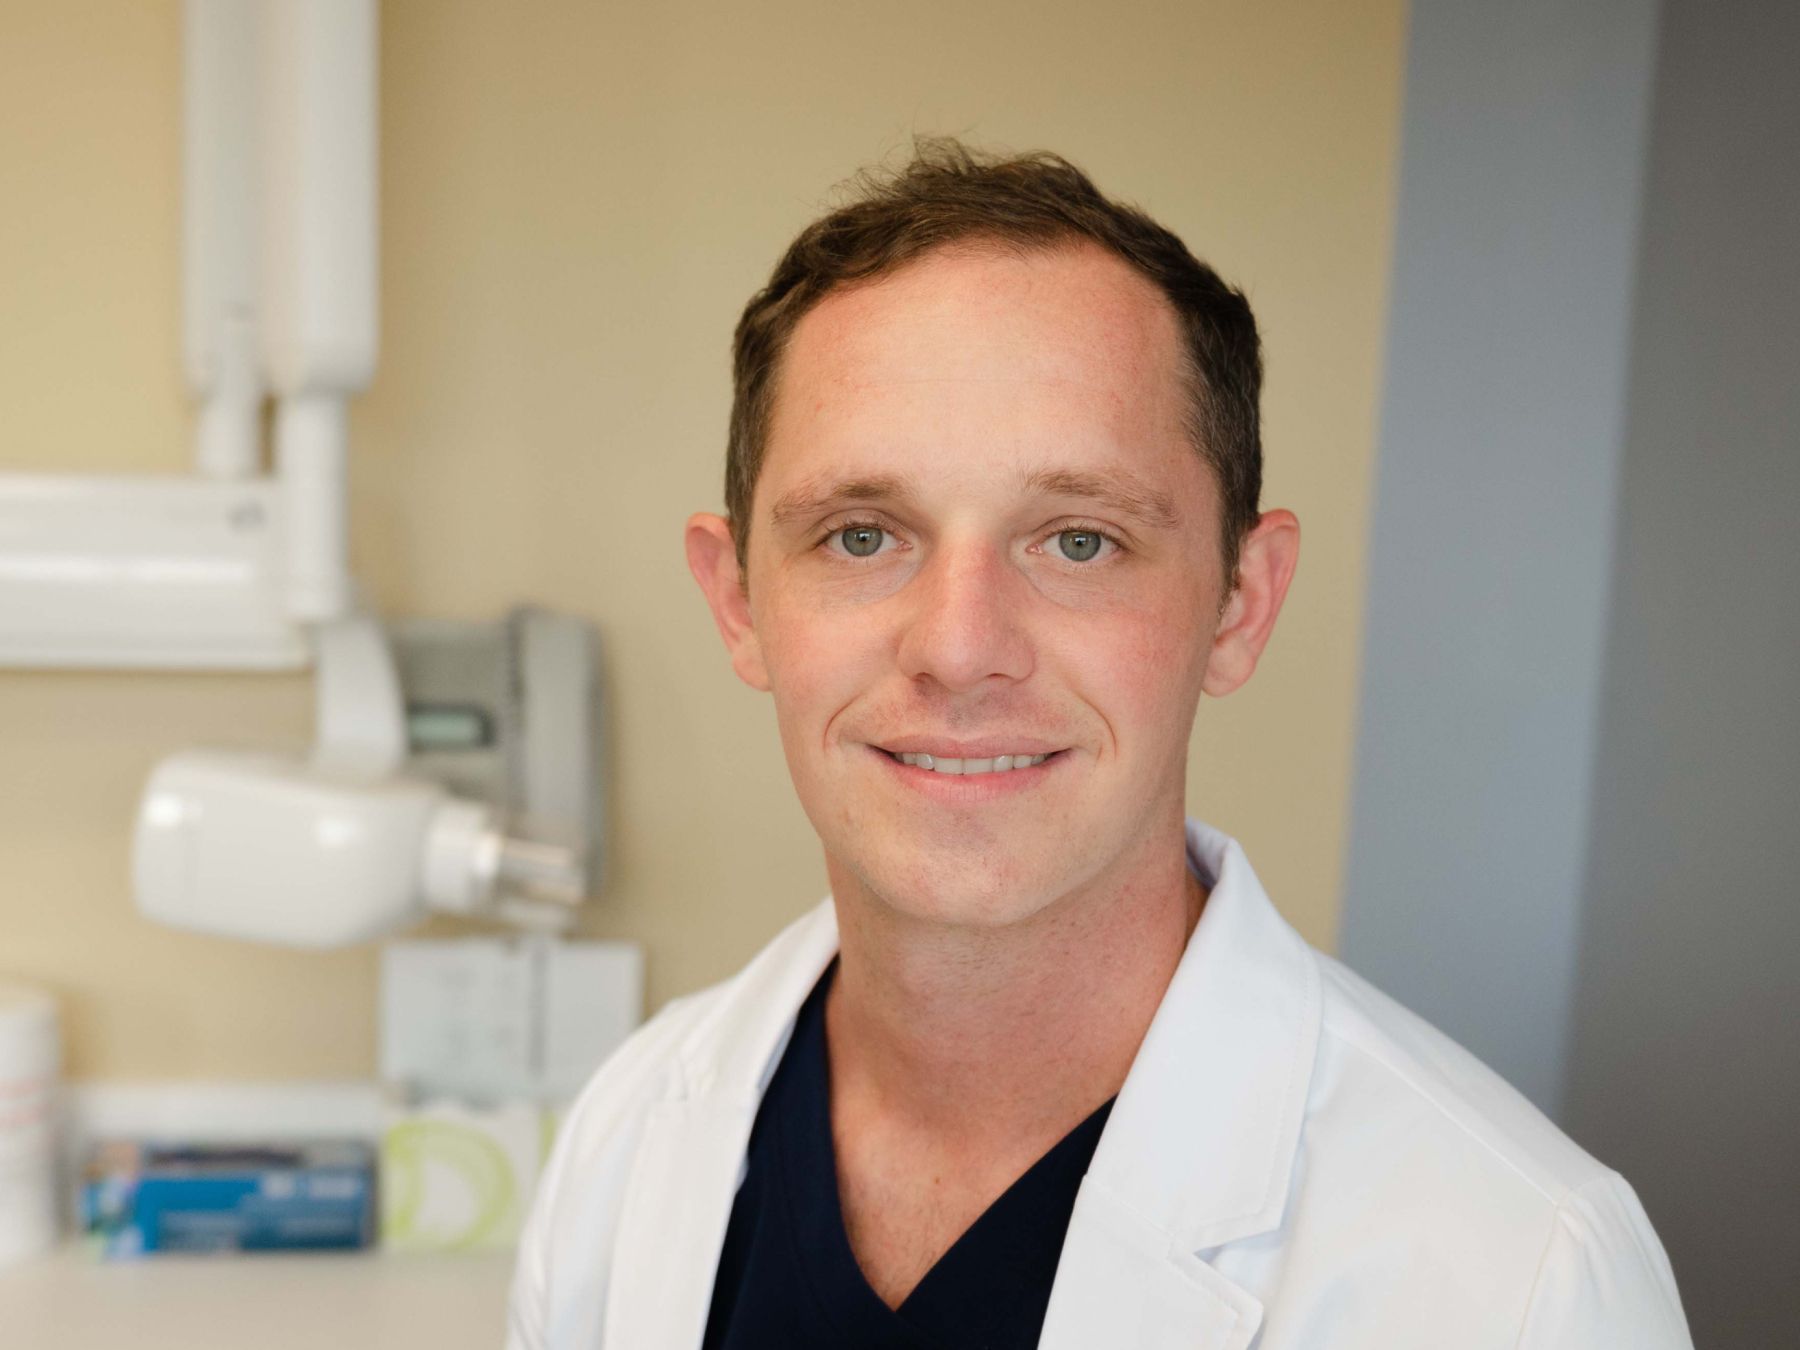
986	894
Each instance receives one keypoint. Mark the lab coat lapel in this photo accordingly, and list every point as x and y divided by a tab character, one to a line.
683	1179
1122	1281
689	1161
1199	1149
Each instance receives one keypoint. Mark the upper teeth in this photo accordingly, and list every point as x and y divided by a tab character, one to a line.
998	764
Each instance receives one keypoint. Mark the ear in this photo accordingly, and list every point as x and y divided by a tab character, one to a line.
712	558
1266	561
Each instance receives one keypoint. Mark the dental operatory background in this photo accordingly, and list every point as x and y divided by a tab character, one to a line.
368	765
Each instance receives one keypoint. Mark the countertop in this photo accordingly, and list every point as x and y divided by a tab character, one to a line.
272	1302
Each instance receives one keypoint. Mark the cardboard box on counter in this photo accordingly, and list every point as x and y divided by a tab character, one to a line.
138	1198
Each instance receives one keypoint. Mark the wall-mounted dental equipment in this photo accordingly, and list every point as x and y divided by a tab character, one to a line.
222	569
456	767
465	781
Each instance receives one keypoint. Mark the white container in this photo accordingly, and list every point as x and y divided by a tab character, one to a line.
29	1056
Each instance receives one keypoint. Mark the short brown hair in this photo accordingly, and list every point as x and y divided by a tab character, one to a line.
951	194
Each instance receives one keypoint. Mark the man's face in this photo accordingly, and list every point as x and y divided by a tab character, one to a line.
981	530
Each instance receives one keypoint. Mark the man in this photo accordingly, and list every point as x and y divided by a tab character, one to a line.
1047	1067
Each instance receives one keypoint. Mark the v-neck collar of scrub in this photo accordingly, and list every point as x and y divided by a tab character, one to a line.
1012	1236
1199	1151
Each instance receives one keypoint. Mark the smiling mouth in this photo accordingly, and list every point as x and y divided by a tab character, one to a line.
968	767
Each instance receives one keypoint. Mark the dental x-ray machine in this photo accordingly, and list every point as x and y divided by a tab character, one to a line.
480	798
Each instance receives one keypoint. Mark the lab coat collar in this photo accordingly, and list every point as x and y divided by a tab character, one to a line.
1198	1150
690	1158
1200	1147
732	1055
1201	1141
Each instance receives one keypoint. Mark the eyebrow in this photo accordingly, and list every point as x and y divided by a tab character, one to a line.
816	496
1116	490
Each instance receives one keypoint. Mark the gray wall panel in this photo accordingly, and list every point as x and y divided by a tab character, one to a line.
1685	1063
1523	146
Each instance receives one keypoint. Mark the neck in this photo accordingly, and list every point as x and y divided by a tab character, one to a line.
995	1032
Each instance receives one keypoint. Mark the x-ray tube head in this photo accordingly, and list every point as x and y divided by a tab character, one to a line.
272	850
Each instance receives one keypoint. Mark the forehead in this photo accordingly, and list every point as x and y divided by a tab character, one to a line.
979	351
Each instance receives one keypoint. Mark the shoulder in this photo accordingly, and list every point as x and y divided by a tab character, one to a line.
1413	1143
1402	1065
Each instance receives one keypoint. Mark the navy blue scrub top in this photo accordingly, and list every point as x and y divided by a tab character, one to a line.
787	1277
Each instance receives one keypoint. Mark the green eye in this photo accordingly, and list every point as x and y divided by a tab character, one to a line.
1079	545
862	541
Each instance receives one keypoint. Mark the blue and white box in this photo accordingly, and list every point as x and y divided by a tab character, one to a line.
138	1198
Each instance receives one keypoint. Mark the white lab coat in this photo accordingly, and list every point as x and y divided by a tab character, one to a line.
1294	1162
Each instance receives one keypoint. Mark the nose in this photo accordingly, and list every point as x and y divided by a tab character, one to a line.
966	623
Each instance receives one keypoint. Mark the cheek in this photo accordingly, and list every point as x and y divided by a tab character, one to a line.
1142	669
819	660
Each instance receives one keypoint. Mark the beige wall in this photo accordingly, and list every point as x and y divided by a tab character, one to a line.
577	198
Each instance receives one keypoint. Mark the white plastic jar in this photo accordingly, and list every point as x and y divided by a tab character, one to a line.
30	1053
